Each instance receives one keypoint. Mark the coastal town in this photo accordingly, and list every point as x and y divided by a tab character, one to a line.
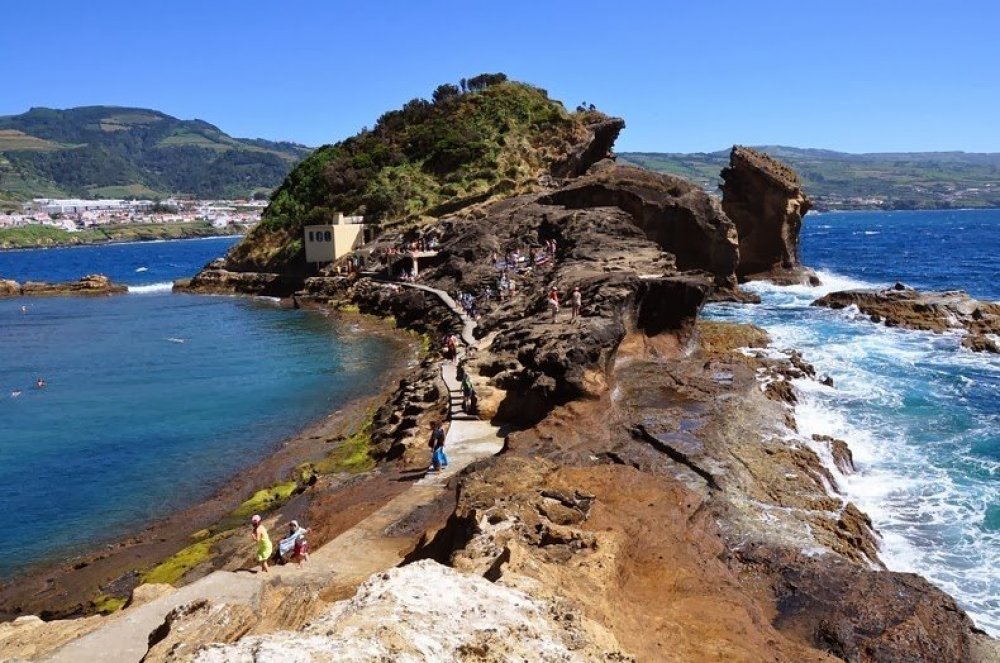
73	214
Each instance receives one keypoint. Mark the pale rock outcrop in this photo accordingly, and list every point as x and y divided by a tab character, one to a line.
429	612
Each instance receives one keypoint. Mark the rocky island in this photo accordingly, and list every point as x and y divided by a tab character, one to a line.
651	499
90	285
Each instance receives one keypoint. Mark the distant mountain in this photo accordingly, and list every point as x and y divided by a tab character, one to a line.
837	180
109	151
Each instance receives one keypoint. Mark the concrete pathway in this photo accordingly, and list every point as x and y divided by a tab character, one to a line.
377	543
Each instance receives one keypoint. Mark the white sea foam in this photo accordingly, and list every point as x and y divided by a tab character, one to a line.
929	515
166	286
141	269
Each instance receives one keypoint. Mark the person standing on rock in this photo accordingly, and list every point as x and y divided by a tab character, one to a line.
554	302
577	303
259	534
436	444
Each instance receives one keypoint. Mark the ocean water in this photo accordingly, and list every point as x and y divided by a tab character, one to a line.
921	413
153	399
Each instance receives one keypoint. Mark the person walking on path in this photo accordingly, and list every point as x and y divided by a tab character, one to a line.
259	534
577	303
436	443
467	391
554	302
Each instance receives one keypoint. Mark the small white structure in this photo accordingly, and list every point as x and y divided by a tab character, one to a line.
327	243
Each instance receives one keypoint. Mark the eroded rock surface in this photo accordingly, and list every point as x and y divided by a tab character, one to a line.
429	612
764	198
901	306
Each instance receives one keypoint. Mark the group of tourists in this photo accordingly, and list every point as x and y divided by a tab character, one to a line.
468	303
512	258
292	548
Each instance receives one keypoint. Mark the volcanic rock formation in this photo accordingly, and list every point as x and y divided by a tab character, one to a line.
765	200
901	306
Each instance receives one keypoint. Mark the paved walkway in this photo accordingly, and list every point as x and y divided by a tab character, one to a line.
371	546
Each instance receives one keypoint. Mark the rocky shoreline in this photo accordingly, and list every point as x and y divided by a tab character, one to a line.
653	499
638	405
84	585
92	285
900	306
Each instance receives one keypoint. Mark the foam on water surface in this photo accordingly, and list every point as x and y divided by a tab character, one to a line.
920	413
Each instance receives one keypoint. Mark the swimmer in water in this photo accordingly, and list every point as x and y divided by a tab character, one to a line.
40	383
24	310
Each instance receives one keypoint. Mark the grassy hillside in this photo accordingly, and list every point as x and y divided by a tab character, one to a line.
837	180
99	151
427	158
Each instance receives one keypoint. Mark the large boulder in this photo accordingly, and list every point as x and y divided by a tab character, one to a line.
764	198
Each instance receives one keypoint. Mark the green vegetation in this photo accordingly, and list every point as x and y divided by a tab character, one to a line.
486	135
106	604
835	180
265	500
102	151
352	455
37	235
174	567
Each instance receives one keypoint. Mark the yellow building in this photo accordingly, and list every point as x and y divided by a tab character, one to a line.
326	243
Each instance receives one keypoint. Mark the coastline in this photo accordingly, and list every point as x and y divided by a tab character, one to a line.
158	235
68	588
906	484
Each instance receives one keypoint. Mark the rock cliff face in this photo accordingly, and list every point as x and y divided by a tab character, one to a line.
900	306
764	199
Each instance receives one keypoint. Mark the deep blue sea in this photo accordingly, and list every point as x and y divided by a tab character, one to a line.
921	414
153	399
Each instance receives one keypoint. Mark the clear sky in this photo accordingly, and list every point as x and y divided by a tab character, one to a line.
697	75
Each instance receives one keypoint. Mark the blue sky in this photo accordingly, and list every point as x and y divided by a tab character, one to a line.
686	76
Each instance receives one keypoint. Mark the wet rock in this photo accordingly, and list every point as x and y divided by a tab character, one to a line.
840	452
764	198
781	390
858	614
901	306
